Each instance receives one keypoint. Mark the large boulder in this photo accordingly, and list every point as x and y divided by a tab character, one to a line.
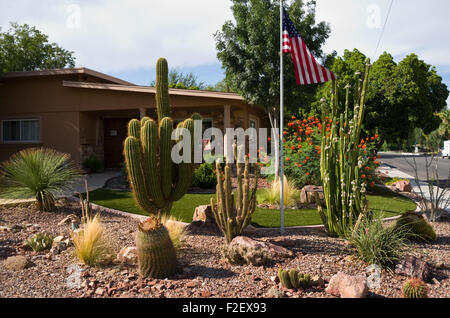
275	251
412	266
307	194
347	286
128	255
204	215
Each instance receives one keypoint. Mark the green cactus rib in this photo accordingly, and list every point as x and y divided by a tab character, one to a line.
292	279
156	254
155	180
233	211
414	288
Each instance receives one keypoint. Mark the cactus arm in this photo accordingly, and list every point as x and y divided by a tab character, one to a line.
134	127
149	140
162	89
132	152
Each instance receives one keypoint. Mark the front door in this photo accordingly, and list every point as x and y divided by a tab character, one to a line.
115	134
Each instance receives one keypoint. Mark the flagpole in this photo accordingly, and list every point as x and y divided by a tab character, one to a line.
281	123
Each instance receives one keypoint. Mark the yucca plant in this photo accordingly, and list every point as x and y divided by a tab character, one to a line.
39	173
340	162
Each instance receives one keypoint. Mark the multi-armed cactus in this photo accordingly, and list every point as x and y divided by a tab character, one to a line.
292	279
156	254
155	179
340	163
233	211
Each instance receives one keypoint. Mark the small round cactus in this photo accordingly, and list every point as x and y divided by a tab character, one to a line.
414	288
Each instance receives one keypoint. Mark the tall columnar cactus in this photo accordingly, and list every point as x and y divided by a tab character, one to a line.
156	253
344	191
156	181
233	211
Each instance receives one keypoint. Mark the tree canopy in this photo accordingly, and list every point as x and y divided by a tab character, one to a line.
401	96
24	48
249	51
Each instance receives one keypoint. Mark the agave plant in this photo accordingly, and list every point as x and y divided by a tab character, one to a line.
38	173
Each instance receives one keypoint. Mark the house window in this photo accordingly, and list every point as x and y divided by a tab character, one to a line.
253	123
21	130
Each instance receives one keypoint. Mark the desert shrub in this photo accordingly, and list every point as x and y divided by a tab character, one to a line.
90	242
177	230
376	244
40	242
204	177
418	228
238	255
37	172
94	164
271	195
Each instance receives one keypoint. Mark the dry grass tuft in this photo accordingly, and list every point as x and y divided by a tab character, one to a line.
177	230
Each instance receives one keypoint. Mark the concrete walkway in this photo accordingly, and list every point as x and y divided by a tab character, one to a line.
95	181
393	173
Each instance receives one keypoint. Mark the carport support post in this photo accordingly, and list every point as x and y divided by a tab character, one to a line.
142	112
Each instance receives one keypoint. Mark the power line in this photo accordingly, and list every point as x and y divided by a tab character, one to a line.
382	31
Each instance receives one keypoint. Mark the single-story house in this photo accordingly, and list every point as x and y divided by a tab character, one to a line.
83	112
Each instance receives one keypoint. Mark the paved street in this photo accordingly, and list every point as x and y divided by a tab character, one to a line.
402	163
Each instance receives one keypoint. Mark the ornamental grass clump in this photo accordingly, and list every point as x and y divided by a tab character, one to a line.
271	195
376	244
340	162
176	229
91	246
39	173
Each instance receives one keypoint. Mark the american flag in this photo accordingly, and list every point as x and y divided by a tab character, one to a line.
307	70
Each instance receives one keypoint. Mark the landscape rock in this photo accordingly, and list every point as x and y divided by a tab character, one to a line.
273	250
307	194
347	286
317	281
5	229
412	266
16	228
128	255
17	263
204	214
402	186
282	241
274	292
58	247
59	238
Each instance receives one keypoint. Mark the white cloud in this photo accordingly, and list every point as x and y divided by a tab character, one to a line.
125	35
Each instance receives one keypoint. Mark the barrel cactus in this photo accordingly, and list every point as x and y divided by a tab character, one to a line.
292	279
155	179
156	253
233	211
414	288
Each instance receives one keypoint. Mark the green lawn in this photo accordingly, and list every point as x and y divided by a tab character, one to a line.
384	203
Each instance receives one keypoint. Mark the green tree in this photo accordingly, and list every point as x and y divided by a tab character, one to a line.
249	52
183	81
444	127
24	48
400	97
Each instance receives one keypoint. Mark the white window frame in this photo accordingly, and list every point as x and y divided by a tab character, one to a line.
20	141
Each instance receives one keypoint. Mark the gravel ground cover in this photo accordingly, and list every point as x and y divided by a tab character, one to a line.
202	271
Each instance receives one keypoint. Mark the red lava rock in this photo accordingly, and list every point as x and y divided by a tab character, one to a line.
85	274
191	284
284	242
205	294
152	283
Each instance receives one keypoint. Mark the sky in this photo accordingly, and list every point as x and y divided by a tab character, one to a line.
124	38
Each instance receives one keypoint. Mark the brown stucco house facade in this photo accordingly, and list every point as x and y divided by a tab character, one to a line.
83	112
